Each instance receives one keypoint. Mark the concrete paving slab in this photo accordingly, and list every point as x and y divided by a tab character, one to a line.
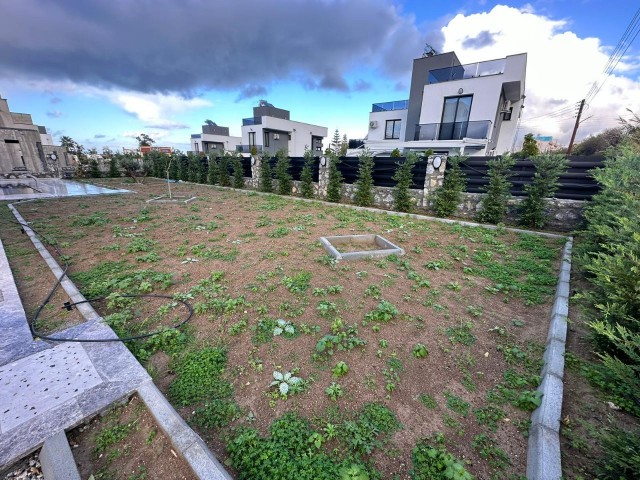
40	382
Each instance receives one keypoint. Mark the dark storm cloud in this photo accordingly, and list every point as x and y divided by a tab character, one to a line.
251	91
483	39
171	45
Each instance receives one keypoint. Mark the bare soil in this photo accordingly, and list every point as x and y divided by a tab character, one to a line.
143	453
257	241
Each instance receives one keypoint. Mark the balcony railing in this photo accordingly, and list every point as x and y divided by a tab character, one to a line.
247	148
471	70
453	130
389	106
252	121
196	135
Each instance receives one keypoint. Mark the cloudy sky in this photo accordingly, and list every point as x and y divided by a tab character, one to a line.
104	71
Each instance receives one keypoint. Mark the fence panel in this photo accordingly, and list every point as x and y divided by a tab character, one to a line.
575	184
384	168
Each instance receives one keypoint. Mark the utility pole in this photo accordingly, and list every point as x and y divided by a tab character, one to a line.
575	128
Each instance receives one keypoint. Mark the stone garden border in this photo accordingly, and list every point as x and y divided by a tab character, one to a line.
332	244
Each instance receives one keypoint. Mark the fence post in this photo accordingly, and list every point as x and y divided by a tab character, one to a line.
255	171
323	176
434	177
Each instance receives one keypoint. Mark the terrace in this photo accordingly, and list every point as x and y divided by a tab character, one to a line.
470	70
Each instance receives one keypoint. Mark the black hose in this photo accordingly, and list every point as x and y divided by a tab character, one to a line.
68	306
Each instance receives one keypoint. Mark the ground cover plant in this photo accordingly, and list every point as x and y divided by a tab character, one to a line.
356	356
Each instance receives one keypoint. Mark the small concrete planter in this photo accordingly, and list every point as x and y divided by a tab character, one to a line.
172	200
366	246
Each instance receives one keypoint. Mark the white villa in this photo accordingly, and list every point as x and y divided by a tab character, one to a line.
452	108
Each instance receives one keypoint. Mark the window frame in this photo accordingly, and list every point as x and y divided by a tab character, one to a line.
393	122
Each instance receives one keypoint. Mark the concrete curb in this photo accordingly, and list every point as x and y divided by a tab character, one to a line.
188	443
543	453
57	460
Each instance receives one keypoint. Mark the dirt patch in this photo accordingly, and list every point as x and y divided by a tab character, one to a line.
448	293
126	443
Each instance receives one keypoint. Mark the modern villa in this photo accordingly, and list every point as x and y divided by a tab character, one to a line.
453	109
214	138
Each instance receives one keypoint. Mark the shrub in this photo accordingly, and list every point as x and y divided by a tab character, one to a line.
223	170
214	169
94	169
238	171
494	205
266	175
334	188
622	455
395	153
610	255
114	171
183	168
174	167
306	176
449	195
364	183
548	169
402	200
283	164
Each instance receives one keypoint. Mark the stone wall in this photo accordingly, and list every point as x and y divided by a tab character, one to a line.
563	215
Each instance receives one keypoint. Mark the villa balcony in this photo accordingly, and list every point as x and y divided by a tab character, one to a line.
479	130
471	70
389	106
252	121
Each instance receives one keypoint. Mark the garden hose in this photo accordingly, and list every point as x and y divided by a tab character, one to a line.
69	305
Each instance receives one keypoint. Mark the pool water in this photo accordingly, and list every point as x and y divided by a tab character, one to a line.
54	187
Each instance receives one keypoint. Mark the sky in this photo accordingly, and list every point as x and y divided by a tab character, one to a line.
102	72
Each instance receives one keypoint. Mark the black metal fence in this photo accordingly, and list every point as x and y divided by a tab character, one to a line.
575	184
384	168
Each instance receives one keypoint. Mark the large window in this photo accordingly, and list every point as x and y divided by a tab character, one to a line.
455	118
266	139
252	139
392	129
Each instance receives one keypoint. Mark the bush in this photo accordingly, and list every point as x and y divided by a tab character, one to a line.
610	255
494	205
266	175
114	171
447	198
238	171
334	188
402	200
214	169
622	455
306	176
545	183
283	164
94	169
364	183
223	170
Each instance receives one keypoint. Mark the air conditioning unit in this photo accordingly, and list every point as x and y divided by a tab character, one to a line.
373	124
276	136
506	106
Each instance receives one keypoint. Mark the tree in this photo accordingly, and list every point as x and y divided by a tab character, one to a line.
223	170
266	175
494	205
598	144
529	147
94	169
336	142
402	199
214	169
145	140
134	168
364	182
544	185
283	164
238	171
395	153
306	176
114	171
334	187
74	148
344	146
449	195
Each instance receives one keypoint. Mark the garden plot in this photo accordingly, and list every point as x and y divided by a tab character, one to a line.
293	361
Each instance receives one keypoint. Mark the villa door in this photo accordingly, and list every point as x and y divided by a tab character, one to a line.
455	118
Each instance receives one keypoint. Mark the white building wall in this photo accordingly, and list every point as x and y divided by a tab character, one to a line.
300	132
377	134
229	142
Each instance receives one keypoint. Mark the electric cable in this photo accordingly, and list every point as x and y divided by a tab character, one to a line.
69	305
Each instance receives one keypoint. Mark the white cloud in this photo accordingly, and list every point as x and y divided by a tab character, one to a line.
561	67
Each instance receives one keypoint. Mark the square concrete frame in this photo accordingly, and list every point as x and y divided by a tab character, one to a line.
386	247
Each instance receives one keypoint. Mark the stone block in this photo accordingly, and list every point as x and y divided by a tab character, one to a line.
548	414
57	460
543	454
554	358
558	328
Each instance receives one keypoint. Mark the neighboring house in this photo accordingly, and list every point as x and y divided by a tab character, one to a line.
28	148
214	139
144	149
452	108
270	129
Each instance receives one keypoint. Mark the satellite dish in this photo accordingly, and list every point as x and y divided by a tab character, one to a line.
429	51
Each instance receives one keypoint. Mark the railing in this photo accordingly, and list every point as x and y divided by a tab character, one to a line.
471	70
389	106
196	135
252	121
453	130
247	148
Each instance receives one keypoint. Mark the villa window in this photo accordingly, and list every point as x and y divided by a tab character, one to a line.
392	129
506	116
455	117
252	139
266	139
